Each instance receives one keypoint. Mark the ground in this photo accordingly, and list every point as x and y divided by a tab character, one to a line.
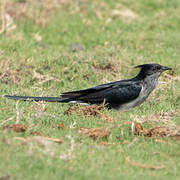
49	47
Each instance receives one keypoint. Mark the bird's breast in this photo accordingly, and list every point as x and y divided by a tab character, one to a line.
143	95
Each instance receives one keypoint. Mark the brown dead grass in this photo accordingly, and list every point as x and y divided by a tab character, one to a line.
169	128
156	131
171	76
6	22
12	76
160	117
95	133
43	78
16	127
124	13
46	145
41	138
104	143
61	126
9	77
36	133
112	67
38	11
128	161
21	128
93	110
40	106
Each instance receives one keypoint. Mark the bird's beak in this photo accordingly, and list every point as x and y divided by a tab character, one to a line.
165	68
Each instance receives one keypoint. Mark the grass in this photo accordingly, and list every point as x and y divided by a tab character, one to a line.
36	58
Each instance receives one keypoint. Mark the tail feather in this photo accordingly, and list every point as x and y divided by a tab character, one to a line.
32	98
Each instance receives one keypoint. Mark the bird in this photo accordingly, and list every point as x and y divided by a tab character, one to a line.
119	95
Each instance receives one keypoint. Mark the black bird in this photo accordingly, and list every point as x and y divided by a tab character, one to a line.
119	95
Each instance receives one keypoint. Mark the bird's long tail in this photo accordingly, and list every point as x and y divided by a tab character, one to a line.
32	98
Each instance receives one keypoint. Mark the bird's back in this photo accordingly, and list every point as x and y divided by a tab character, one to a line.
113	94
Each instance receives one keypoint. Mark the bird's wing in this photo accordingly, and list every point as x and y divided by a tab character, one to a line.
123	94
87	91
113	93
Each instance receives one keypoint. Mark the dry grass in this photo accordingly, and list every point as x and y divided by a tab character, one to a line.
136	164
156	131
49	47
39	12
113	67
90	111
16	127
95	133
161	117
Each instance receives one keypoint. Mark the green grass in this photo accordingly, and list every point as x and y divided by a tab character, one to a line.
108	37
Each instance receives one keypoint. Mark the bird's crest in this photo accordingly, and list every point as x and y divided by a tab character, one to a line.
149	66
144	65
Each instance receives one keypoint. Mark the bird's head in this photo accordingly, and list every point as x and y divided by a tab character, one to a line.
151	69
